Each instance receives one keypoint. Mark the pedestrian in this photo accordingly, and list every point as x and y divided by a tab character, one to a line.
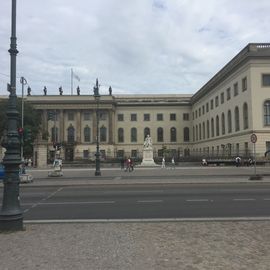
131	165
163	163
237	161
173	163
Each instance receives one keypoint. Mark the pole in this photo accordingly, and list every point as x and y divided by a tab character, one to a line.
55	137
23	82
254	153
71	80
11	215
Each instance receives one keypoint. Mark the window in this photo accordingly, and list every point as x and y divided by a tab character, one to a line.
229	121
267	113
192	115
146	117
200	131
207	129
146	132
207	107
173	134
85	153
222	98
228	91
244	84
159	117
212	128
212	104
223	123
120	117
172	116
102	115
133	117
160	134
197	133
203	110
86	116
196	114
235	89
245	116
70	134
70	116
134	153
54	132
199	112
120	153
193	133
103	134
87	132
120	135
266	80
185	116
186	134
133	134
216	101
217	125
236	119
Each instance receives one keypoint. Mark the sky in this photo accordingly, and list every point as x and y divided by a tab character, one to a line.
134	46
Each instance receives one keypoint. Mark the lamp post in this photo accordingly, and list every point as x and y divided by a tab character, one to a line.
23	82
97	98
11	218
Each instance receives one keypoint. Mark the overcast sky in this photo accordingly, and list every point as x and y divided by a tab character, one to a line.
136	46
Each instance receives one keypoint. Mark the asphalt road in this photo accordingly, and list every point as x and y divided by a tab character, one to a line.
145	201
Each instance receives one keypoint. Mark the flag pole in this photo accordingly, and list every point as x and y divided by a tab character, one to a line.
71	81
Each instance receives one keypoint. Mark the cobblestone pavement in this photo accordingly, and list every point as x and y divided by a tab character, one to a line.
150	245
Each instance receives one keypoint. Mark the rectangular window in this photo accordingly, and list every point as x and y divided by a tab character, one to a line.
120	153
133	117
159	117
199	112
146	117
203	110
160	152
228	93
196	114
216	101
244	84
192	115
134	153
120	117
102	115
186	116
222	98
212	104
266	80
85	153
235	89
172	116
70	116
86	116
207	107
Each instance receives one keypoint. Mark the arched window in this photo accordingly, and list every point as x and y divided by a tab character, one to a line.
173	134
208	129
267	113
103	134
212	128
120	135
133	134
217	125
245	116
54	132
160	134
87	134
71	134
146	132
193	134
223	123
186	134
229	122
236	119
200	131
203	128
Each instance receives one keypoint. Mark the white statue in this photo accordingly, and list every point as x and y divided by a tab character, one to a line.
147	142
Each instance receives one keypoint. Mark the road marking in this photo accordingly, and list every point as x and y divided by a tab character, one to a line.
266	199
246	199
52	194
149	201
197	200
66	203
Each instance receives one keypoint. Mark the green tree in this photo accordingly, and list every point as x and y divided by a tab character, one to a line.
32	123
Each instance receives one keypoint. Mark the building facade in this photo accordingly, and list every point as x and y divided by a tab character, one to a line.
217	121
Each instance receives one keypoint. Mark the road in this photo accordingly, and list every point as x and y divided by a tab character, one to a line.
155	201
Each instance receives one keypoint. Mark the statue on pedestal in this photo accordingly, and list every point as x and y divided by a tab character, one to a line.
148	152
147	142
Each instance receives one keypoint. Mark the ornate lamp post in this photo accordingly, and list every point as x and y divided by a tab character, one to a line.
97	98
11	218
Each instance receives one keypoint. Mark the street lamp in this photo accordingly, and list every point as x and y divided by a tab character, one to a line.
23	82
97	98
11	217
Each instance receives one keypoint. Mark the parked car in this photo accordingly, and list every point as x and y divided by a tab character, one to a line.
2	171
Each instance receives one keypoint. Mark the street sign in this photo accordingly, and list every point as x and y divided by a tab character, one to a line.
253	138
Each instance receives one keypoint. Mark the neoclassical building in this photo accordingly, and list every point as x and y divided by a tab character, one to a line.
217	121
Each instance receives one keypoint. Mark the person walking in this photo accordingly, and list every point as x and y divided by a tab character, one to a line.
163	163
173	163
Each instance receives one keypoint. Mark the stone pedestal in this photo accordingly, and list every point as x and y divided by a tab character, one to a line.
148	157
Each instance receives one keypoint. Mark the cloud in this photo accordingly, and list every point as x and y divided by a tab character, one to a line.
140	46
